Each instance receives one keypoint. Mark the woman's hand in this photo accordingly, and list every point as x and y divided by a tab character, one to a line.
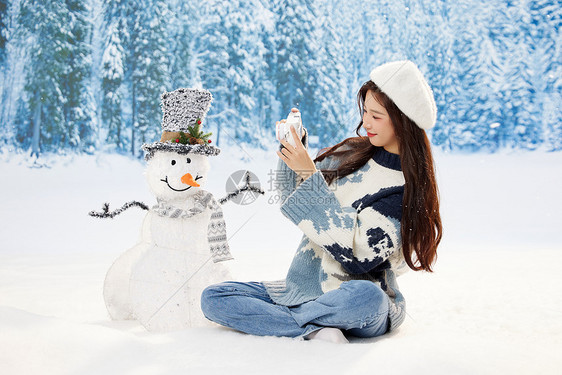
297	158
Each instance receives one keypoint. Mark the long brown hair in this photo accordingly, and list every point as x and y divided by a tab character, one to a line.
421	227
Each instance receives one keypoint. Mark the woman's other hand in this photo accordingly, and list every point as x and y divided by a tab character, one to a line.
297	158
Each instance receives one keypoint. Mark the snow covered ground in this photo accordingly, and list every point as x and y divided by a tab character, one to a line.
493	305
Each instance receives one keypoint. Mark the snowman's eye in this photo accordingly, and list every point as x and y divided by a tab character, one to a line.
173	162
188	160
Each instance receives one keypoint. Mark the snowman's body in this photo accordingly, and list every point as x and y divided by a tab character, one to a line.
159	281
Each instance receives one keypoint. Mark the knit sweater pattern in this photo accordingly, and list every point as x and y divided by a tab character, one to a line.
351	231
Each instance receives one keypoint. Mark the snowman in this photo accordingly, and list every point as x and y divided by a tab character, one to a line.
183	237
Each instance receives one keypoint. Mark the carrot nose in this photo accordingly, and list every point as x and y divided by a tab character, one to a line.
188	180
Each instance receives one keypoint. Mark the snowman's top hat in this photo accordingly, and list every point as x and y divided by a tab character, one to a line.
183	112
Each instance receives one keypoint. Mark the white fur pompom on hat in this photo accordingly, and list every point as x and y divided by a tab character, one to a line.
405	85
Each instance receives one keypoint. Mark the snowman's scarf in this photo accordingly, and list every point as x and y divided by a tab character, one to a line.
216	230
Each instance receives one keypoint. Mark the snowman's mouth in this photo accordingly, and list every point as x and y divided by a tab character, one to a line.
189	187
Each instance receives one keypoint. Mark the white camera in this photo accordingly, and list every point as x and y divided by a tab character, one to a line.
283	129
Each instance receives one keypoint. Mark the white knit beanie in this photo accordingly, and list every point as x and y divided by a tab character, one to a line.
405	85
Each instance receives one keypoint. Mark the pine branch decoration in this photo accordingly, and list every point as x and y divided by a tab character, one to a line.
194	135
183	138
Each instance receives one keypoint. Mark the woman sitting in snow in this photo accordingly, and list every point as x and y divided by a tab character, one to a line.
368	208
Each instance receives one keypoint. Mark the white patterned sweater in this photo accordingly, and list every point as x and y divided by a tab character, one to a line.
351	231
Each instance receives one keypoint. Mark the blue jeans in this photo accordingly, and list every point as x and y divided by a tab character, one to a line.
358	307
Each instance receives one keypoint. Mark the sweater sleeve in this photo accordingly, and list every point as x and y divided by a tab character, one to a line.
361	237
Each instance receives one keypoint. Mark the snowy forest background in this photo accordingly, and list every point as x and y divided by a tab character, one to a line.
87	75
